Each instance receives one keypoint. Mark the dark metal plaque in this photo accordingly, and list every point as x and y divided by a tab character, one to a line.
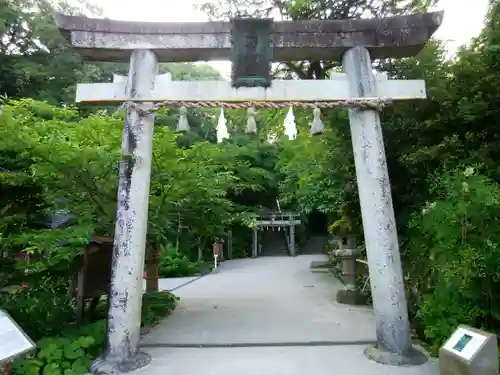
251	52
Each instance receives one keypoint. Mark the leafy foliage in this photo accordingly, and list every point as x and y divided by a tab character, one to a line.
72	351
156	306
175	264
311	10
307	9
317	172
77	158
455	239
46	301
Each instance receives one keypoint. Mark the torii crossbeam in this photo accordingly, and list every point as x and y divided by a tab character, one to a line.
355	42
335	89
109	40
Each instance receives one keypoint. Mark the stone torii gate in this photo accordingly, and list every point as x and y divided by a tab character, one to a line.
355	42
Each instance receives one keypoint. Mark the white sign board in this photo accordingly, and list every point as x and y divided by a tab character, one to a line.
469	351
13	340
464	343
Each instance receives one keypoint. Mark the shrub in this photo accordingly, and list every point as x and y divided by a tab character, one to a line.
157	305
72	352
453	255
71	355
43	309
174	264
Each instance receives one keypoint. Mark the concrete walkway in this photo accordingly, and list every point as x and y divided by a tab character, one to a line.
270	315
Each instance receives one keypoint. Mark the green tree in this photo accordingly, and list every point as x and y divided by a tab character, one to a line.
312	10
76	158
35	60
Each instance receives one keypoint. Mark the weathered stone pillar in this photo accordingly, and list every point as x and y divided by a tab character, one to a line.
125	292
388	293
348	253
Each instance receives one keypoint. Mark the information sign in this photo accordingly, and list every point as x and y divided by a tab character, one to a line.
464	343
13	340
469	351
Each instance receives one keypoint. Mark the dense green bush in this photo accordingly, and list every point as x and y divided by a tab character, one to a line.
175	264
72	350
70	355
456	239
43	309
157	305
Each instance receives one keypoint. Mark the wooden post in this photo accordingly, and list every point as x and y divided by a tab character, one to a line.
255	247
80	288
216	250
152	275
388	293
230	244
292	235
121	352
221	251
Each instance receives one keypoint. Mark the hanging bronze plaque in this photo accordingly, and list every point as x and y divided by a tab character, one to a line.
251	52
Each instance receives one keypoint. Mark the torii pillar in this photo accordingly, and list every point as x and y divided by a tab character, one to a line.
379	224
145	44
121	352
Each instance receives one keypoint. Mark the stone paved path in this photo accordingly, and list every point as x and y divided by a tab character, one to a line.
269	316
263	300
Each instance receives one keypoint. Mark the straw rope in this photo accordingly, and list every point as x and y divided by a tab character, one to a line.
361	103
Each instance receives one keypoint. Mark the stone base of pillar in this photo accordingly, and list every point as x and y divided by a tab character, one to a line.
416	356
350	297
102	366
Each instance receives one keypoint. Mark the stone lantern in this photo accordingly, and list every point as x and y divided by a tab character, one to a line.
348	252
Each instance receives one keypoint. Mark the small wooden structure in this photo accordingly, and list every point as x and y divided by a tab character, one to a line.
91	281
281	220
94	274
